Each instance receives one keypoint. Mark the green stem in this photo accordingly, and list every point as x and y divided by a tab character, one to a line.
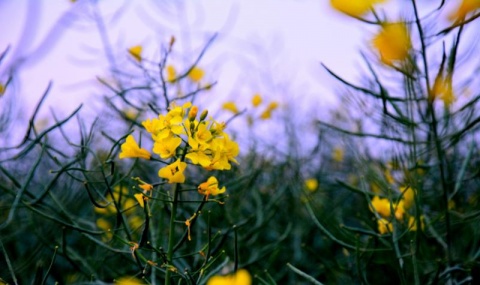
171	233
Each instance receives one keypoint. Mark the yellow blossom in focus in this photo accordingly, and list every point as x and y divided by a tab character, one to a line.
173	172
392	42
241	277
466	7
136	52
256	100
311	184
171	73
210	187
196	74
230	106
167	147
354	8
337	154
130	149
128	281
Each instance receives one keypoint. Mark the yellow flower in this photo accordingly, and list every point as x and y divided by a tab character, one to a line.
466	7
173	172
412	223
130	149
196	74
256	100
354	8
171	73
267	114
136	52
230	106
167	147
337	154
210	187
241	277
392	42
2	89
128	281
443	89
139	197
382	207
311	184
408	196
384	226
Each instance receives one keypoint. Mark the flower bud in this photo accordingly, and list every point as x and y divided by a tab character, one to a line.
192	113
203	115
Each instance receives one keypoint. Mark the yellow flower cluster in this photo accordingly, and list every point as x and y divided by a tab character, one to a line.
204	143
393	42
387	209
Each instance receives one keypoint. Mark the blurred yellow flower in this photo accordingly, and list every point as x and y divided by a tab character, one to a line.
230	106
2	89
408	196
384	226
412	223
466	7
210	187
241	277
256	100
443	89
136	52
383	207
311	184
130	149
173	172
139	197
337	154
196	74
128	281
267	114
171	73
354	8
392	42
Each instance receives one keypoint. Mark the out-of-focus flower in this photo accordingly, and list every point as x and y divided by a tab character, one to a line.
267	114
210	187
393	42
384	226
230	106
128	281
241	277
443	89
171	73
2	89
311	184
466	7
130	149
256	100
383	207
354	8
196	74
136	52
337	154
173	172
412	223
408	196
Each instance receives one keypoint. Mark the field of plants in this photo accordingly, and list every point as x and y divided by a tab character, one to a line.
165	187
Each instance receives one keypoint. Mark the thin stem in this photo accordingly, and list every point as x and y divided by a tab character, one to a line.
171	233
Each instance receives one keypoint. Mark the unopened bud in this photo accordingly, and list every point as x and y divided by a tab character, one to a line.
203	115
192	113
